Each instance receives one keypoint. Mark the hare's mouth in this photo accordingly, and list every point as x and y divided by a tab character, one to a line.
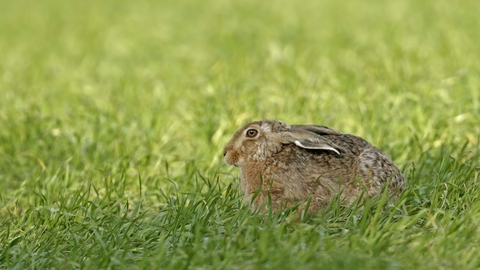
228	160
231	160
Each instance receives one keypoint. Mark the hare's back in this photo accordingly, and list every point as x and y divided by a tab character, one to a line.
372	164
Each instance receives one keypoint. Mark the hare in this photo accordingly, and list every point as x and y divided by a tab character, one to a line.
307	165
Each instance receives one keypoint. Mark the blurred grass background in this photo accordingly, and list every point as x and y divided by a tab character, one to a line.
143	95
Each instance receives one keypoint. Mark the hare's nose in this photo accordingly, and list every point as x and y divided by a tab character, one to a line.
224	152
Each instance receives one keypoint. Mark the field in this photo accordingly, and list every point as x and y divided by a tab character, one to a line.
114	115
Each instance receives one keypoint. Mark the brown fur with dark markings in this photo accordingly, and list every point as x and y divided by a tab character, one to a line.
294	163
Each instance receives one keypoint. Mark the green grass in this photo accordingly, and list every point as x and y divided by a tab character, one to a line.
114	114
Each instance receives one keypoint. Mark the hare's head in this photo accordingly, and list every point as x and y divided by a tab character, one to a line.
257	141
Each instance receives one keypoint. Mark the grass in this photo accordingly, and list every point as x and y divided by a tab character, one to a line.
113	116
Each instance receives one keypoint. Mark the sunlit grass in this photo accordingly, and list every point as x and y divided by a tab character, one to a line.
113	116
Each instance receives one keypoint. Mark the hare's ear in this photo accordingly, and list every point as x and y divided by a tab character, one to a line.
320	130
309	140
318	145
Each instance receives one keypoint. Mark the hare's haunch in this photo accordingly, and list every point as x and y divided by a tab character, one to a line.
291	164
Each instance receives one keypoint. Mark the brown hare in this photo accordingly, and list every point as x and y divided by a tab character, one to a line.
307	165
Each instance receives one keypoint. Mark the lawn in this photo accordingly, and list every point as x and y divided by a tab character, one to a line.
114	115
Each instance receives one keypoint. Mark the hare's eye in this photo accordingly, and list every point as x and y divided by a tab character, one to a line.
252	133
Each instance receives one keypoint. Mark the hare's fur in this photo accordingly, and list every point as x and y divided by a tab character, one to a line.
291	164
